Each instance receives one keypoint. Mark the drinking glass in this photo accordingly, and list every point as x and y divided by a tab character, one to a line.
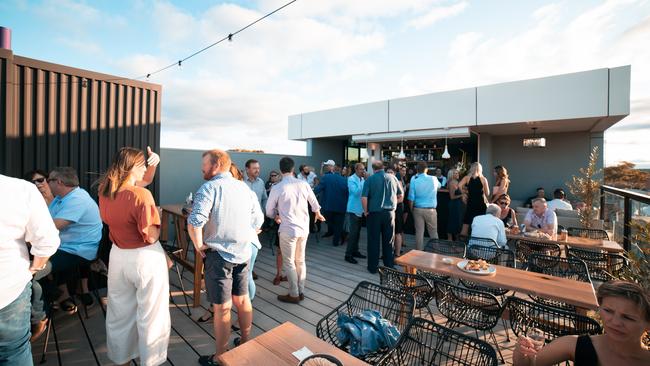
537	337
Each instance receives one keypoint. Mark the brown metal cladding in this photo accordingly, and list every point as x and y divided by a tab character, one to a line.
53	115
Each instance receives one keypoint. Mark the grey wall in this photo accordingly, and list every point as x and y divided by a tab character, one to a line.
550	167
180	170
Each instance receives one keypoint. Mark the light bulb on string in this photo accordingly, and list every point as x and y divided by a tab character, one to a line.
401	155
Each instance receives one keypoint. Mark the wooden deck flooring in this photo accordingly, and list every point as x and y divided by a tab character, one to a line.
330	280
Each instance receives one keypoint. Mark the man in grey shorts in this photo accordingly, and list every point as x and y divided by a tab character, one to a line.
225	217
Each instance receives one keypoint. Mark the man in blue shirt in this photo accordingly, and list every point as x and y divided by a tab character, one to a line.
379	200
334	189
355	212
76	216
423	202
230	215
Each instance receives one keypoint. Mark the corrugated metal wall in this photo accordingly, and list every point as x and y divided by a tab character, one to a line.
53	115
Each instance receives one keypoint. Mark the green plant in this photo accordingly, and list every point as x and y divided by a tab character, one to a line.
586	188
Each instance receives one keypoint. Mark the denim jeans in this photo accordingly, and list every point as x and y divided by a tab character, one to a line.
251	283
15	349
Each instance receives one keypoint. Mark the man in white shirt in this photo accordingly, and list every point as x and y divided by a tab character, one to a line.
559	201
23	218
541	218
490	226
305	174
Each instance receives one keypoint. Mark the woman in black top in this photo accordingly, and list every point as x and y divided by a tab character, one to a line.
625	314
475	190
508	215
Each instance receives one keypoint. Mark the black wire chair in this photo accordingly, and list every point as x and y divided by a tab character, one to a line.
588	233
492	255
417	285
486	242
571	268
525	248
553	322
603	266
476	309
427	343
448	247
395	306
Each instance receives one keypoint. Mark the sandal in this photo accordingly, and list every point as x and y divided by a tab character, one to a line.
203	319
68	306
277	280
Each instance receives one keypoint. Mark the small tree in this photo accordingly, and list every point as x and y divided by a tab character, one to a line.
585	187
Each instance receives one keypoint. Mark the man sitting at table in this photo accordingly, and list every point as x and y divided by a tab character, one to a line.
559	201
541	218
490	226
76	216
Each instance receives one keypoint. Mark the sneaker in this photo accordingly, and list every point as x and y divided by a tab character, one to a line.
208	360
358	255
288	298
68	306
351	259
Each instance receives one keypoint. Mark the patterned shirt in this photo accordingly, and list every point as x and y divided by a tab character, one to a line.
231	213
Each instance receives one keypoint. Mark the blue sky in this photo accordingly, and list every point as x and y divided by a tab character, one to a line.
318	54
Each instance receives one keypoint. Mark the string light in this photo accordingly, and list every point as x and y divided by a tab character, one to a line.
229	37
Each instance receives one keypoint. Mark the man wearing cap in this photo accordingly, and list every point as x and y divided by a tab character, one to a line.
333	188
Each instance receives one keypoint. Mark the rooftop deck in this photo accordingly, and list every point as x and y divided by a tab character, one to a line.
330	281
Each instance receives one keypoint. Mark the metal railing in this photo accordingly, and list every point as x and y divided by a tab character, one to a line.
629	198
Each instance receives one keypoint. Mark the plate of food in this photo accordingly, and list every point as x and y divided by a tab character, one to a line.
477	267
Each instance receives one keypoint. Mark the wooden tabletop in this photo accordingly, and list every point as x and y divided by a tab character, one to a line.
175	209
576	241
276	346
577	293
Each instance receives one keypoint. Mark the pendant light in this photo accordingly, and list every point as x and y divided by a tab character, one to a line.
445	154
401	155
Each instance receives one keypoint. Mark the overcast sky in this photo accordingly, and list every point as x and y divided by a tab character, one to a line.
319	54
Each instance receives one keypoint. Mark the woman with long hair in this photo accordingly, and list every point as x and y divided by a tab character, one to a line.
475	190
624	308
456	207
501	184
137	315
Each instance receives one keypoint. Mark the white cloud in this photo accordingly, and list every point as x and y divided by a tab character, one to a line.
437	14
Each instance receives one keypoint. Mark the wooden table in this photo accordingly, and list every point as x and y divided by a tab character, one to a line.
577	293
179	218
276	346
575	241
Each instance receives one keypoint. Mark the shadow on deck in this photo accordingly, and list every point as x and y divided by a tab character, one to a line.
330	280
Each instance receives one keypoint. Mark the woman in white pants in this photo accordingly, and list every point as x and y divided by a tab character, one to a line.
137	316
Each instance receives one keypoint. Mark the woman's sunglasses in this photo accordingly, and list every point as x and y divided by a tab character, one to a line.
38	180
503	203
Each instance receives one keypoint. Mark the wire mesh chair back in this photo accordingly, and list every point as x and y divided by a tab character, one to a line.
474	240
427	343
395	306
602	265
525	248
553	322
448	247
492	255
571	268
414	284
588	233
476	309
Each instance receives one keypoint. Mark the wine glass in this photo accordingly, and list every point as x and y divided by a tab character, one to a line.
537	337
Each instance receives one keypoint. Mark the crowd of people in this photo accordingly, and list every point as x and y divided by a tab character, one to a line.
51	236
